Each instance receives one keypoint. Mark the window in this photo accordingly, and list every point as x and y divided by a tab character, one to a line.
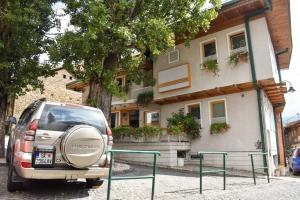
121	81
134	118
209	50
64	76
173	56
114	119
152	118
195	111
218	111
61	118
238	42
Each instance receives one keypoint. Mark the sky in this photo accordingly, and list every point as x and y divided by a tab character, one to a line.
292	106
292	74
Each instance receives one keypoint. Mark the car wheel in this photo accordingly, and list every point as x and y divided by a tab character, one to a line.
93	182
13	183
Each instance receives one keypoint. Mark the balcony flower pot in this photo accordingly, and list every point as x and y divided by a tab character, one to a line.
137	139
152	139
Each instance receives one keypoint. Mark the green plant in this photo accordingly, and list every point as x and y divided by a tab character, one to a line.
211	66
180	123
145	98
151	131
122	131
138	133
217	128
237	57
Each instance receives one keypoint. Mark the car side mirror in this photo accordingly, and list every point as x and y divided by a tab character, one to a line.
12	120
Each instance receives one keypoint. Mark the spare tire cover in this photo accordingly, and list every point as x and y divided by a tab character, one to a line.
82	146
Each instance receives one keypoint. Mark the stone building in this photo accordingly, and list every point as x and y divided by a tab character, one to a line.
55	90
292	134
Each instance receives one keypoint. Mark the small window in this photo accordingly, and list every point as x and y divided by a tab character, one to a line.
238	42
194	110
152	118
71	77
64	76
174	56
218	111
209	49
121	81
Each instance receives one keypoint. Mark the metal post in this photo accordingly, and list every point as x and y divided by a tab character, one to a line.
267	169
110	175
224	168
201	157
253	170
153	179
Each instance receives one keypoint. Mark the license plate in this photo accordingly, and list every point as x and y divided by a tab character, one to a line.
43	158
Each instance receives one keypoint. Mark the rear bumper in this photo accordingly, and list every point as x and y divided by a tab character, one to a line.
34	173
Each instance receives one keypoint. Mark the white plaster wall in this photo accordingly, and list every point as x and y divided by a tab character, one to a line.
228	75
270	132
244	132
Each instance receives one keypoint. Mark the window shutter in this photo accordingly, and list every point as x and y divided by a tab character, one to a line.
174	56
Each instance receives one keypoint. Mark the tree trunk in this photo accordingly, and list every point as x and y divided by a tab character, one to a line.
3	107
100	97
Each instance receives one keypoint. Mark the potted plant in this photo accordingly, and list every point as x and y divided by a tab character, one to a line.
219	128
211	65
185	126
239	56
145	98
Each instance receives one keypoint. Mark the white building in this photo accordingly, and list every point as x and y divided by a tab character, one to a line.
248	96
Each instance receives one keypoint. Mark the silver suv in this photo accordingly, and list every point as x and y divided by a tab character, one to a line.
59	141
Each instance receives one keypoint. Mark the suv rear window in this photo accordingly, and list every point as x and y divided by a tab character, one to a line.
61	118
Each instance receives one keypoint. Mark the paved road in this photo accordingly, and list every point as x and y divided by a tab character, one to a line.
171	185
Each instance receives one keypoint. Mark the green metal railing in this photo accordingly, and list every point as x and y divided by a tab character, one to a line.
110	177
201	156
265	168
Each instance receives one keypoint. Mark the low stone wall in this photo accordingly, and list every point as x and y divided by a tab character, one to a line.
168	152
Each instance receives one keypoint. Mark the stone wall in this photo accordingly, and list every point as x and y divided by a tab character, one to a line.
55	90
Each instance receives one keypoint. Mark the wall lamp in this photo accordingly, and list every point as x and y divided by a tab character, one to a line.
291	88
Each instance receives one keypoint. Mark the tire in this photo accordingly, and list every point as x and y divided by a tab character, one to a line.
90	182
13	184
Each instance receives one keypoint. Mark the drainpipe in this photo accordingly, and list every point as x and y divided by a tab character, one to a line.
274	108
276	131
253	74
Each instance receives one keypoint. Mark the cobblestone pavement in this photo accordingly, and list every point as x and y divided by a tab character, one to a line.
171	185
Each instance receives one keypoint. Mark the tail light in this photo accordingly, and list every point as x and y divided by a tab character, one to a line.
31	129
109	136
26	164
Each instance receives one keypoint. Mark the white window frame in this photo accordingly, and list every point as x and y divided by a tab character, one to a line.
152	111
209	109
234	33
119	118
186	110
202	58
169	56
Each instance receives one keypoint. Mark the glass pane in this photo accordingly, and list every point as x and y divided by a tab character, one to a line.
238	41
194	110
120	82
61	118
209	49
113	120
155	117
134	118
218	109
